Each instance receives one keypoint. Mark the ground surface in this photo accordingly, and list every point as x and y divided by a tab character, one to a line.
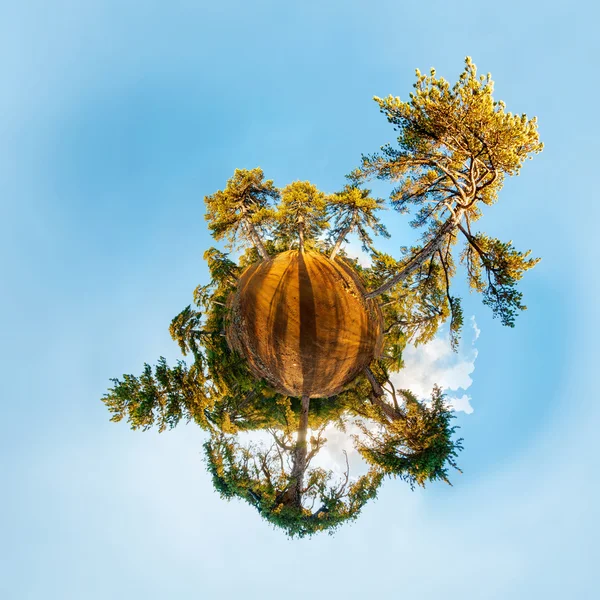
303	324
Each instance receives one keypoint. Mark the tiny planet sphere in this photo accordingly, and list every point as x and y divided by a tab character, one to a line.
303	324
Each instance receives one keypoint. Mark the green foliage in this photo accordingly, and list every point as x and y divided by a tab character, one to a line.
413	442
160	398
301	213
455	147
503	266
416	308
223	271
243	209
251	254
383	267
263	477
353	209
184	329
447	131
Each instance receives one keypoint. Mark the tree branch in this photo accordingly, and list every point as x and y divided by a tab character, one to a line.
421	256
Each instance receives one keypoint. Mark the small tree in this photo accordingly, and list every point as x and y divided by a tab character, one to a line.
354	209
455	147
301	213
412	440
243	209
160	397
301	502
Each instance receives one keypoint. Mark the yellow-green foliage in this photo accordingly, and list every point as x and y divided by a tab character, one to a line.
455	146
302	207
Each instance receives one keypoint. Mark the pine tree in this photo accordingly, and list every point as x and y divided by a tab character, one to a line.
455	147
243	210
412	440
353	209
301	215
278	481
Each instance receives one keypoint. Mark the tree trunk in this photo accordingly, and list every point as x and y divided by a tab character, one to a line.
301	232
341	237
301	451
253	235
377	396
387	410
303	429
293	494
421	256
377	389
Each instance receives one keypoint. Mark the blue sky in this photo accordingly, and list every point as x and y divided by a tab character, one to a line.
116	118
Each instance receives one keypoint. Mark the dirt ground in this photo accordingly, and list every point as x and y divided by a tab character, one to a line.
303	323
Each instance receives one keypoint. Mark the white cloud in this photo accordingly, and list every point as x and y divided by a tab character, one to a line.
331	457
475	329
436	363
461	404
354	250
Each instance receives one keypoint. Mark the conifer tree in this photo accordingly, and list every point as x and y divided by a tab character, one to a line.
301	215
456	145
412	440
353	209
160	397
300	500
243	210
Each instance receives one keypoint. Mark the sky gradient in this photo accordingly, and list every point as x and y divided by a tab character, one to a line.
116	118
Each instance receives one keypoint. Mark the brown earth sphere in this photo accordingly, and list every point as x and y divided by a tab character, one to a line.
303	324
